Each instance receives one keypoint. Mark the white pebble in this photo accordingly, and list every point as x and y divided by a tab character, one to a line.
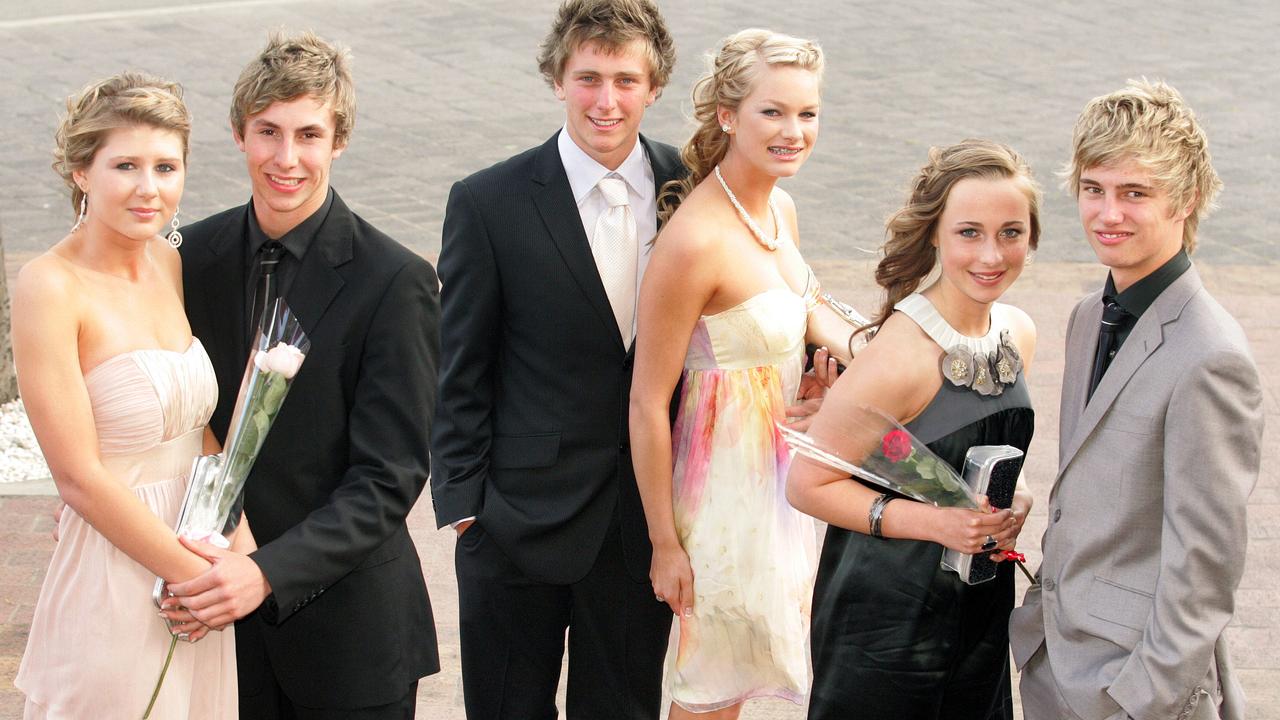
20	457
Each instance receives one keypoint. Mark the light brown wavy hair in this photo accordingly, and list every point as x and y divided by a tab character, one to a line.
909	251
1150	123
612	24
291	66
733	71
130	98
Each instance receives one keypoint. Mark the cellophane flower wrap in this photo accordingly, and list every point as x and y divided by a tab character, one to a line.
870	445
211	507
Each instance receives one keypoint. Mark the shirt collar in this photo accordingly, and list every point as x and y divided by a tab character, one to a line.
1138	297
584	171
297	240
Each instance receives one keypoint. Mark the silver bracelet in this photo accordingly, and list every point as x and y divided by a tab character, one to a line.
876	514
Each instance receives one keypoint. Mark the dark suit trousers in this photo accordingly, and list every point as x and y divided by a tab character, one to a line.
262	698
513	635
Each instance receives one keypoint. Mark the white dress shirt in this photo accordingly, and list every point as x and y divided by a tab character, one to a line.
584	172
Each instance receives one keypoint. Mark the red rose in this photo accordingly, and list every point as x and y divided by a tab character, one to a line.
896	445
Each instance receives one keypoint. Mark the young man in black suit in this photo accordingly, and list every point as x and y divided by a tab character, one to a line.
332	610
541	259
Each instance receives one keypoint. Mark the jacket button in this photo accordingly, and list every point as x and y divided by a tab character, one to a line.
1050	585
1057	514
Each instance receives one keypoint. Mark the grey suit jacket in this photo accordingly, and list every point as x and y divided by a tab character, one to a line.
1147	513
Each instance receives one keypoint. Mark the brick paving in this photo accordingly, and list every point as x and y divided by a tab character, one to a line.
448	86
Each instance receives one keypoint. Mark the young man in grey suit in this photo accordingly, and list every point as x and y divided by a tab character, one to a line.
1160	438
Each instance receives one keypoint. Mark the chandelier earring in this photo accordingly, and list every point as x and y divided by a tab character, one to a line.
84	211
174	238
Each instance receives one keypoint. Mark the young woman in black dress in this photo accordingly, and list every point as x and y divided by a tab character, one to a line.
894	635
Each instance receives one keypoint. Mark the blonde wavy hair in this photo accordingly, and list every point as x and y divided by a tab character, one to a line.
291	66
130	98
1150	123
909	252
734	68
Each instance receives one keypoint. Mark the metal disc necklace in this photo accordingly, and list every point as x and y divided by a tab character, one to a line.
765	242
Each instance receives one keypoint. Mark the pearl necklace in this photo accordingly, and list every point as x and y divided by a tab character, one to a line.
765	242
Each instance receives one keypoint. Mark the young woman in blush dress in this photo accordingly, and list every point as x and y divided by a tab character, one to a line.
728	303
118	393
894	634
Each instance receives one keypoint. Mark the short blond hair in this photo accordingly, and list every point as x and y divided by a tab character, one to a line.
612	24
1150	123
291	66
130	98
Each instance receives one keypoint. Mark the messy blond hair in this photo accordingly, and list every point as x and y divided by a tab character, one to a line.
130	98
1150	123
732	75
611	24
291	66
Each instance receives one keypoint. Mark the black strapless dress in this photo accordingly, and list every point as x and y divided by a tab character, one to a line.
894	635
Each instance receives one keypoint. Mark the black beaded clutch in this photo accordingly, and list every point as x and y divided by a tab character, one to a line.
991	470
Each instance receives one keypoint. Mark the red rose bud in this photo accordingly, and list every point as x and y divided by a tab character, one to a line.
1011	555
896	445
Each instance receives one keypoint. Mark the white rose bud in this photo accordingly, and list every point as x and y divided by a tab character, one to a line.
283	358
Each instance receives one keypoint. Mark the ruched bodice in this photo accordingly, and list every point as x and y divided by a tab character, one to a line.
766	329
96	644
143	398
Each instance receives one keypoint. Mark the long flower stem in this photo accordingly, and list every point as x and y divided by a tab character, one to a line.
173	643
1026	572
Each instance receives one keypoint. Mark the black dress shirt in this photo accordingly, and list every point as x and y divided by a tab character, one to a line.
295	242
1138	297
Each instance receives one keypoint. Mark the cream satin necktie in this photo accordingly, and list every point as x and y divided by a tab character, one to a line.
614	247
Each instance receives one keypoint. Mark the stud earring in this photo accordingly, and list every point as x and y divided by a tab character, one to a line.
174	238
84	211
725	127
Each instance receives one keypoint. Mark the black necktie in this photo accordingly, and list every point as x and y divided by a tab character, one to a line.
1112	317
268	288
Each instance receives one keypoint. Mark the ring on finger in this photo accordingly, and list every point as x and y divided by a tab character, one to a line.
990	544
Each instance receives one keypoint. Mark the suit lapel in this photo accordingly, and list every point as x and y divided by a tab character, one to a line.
554	199
317	281
1082	344
1143	340
223	298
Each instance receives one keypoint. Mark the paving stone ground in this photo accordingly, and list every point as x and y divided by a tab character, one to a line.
449	86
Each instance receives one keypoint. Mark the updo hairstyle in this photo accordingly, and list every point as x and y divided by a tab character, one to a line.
732	75
130	98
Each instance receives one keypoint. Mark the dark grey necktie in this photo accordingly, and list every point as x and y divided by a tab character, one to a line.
1112	317
268	288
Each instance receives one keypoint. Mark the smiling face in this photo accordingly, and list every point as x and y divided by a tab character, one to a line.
1129	220
605	95
982	238
776	124
134	182
289	148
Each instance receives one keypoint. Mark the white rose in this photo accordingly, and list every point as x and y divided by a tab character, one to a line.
283	358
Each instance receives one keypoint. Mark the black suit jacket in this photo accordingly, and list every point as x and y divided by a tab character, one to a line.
348	623
531	427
